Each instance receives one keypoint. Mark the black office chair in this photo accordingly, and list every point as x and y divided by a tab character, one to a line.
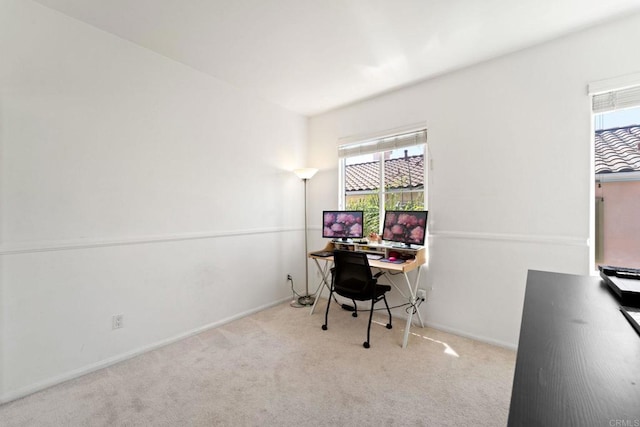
352	278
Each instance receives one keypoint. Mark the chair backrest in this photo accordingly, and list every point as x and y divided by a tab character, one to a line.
352	273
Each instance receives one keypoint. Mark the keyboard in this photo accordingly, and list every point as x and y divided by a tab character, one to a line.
374	256
622	272
624	282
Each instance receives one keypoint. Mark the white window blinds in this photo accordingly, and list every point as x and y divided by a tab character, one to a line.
383	144
616	99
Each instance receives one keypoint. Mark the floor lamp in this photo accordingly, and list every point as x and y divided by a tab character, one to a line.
306	174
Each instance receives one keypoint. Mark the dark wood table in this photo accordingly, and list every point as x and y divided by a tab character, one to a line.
578	361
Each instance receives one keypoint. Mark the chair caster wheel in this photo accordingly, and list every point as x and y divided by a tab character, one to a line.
324	327
354	314
389	326
366	344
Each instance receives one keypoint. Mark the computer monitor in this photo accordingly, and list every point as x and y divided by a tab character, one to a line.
342	224
406	227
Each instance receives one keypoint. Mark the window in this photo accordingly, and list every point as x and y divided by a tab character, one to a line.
616	121
386	173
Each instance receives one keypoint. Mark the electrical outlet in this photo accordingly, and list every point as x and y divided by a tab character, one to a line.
422	294
117	321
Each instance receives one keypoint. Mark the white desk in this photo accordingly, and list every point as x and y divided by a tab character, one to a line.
408	288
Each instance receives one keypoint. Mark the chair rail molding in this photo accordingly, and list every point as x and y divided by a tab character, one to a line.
509	237
64	245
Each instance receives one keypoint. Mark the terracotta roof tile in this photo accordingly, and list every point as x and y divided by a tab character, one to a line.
617	150
364	176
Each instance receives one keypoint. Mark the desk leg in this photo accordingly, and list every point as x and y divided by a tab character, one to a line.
324	282
413	298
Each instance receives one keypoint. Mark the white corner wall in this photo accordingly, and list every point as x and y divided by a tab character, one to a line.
130	184
509	189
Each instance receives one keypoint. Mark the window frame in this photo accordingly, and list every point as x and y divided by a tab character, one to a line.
604	96
381	192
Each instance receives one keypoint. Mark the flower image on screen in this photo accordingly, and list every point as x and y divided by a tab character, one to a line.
408	227
342	224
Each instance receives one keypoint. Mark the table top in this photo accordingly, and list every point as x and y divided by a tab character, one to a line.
409	265
578	361
382	265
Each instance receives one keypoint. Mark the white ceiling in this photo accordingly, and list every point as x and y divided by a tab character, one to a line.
311	56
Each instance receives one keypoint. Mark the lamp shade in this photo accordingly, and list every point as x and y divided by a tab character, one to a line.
305	173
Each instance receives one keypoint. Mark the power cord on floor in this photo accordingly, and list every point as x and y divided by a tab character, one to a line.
409	306
295	295
415	306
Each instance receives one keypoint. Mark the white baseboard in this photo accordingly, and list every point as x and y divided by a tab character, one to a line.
59	379
475	337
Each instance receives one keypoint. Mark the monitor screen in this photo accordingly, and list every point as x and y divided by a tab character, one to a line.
342	224
408	227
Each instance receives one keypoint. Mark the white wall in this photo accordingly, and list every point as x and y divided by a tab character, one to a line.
130	184
510	186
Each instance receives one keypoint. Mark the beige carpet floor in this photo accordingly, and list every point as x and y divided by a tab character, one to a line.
279	368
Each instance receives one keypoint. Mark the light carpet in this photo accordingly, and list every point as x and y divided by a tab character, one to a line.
279	368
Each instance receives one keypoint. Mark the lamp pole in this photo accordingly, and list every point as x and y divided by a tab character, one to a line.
306	174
